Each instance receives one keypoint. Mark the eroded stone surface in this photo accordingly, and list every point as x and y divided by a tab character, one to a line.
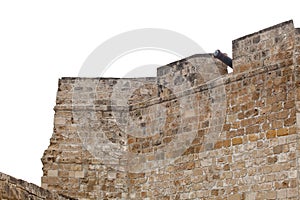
194	132
16	189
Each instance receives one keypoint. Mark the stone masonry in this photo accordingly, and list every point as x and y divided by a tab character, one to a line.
13	189
192	132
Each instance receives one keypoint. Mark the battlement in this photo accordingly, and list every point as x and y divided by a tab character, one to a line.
192	132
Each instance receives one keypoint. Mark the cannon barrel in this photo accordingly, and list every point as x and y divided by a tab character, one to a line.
225	59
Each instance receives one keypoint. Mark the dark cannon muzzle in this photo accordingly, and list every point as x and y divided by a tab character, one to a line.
225	59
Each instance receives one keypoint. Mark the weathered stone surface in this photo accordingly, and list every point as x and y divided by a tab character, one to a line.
194	132
16	189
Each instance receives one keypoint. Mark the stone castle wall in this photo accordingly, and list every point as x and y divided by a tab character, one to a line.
15	189
194	132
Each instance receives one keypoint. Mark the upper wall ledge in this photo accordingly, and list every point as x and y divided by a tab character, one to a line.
265	30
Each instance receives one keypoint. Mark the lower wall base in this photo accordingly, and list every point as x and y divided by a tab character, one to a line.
12	189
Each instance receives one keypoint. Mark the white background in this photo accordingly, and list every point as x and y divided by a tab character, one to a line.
41	41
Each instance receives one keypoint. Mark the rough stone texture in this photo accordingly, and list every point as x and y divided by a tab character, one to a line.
12	189
194	132
268	47
297	96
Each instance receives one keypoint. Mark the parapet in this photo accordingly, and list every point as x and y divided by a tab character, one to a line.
273	46
190	72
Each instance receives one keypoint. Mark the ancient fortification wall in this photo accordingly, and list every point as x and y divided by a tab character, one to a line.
194	132
13	189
